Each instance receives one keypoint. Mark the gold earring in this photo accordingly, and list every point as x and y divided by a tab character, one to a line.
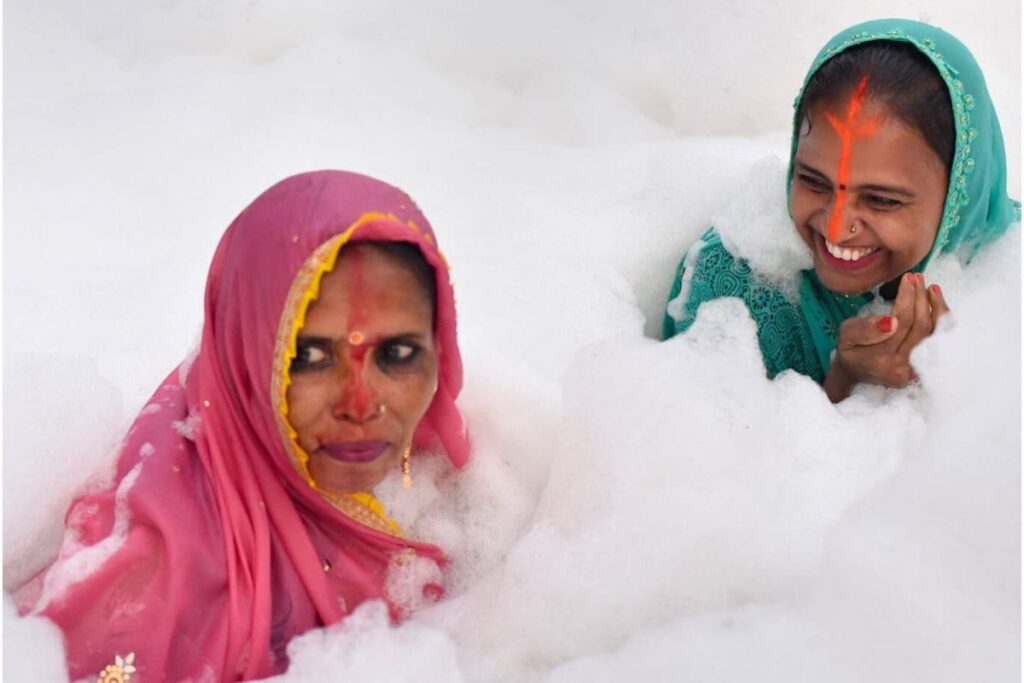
406	477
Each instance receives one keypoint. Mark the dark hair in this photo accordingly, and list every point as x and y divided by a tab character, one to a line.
901	78
410	257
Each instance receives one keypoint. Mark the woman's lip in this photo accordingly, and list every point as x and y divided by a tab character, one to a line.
354	451
840	264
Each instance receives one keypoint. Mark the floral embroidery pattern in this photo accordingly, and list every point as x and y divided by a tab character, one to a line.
120	671
782	333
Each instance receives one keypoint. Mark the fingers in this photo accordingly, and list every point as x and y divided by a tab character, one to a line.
877	349
867	331
938	303
903	308
923	323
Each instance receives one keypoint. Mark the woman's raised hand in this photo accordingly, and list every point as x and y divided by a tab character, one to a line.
877	349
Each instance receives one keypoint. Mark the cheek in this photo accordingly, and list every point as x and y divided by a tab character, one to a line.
417	396
923	244
910	236
919	226
802	207
932	219
411	395
304	399
801	204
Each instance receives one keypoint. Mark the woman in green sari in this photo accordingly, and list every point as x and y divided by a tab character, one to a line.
897	159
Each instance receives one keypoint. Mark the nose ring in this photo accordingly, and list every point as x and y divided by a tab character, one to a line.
853	228
382	409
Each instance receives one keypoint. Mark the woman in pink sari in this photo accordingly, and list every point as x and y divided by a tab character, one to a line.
242	512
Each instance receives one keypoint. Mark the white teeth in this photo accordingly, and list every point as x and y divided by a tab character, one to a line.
849	253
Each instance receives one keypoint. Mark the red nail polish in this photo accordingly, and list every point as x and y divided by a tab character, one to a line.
885	324
938	290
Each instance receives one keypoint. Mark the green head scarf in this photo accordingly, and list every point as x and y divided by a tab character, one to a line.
802	335
977	208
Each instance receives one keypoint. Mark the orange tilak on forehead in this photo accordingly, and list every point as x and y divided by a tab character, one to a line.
848	129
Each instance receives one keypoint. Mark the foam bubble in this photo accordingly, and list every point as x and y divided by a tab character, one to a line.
633	509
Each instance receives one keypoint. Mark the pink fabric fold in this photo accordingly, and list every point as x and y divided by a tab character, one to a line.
210	552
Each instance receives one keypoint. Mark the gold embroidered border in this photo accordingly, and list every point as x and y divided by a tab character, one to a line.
369	513
304	290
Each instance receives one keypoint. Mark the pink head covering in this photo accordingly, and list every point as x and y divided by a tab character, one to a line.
212	550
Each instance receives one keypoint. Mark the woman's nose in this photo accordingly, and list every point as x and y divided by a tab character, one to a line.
844	223
357	399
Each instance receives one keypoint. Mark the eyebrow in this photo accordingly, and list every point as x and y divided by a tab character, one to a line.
311	339
887	189
810	169
870	187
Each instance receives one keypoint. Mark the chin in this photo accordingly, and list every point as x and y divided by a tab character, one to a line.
348	478
352	485
842	285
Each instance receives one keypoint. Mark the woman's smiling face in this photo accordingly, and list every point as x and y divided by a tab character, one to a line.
365	370
893	191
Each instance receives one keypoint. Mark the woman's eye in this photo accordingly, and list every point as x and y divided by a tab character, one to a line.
397	354
884	203
310	355
814	184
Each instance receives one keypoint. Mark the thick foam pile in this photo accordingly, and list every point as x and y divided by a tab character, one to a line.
635	510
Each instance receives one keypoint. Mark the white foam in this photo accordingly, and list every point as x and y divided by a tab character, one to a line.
410	580
77	561
32	644
187	427
756	226
62	425
365	647
633	509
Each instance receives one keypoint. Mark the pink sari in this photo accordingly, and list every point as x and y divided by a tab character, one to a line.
211	550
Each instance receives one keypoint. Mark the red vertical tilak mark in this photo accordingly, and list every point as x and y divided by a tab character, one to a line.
360	398
848	130
360	401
